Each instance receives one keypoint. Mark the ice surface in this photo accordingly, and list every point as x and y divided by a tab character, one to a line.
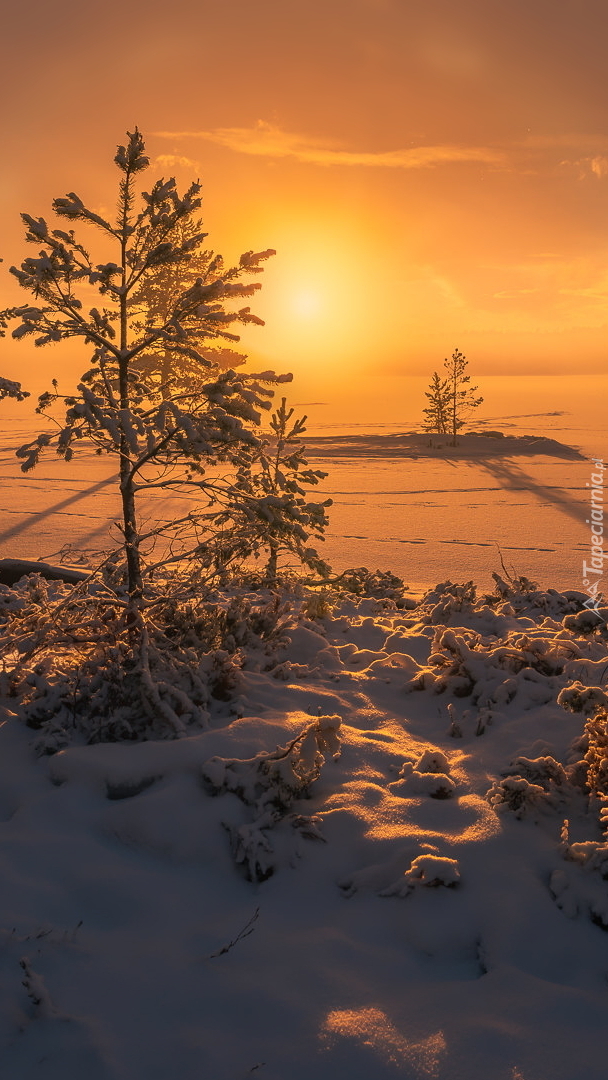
397	502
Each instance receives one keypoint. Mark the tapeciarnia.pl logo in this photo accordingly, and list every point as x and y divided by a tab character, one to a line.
594	569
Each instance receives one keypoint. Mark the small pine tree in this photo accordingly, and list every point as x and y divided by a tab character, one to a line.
437	417
268	509
460	396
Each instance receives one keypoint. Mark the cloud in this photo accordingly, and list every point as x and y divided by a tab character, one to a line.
588	158
512	294
589	166
172	161
599	166
597	291
267	140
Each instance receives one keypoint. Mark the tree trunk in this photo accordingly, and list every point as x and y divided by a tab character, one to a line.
271	567
129	521
454	414
127	488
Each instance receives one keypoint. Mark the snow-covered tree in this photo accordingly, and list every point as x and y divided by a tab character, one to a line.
437	418
162	437
460	396
269	511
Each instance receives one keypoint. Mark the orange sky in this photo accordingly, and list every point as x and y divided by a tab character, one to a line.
432	175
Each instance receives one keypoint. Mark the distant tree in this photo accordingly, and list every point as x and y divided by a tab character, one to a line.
460	396
437	415
162	440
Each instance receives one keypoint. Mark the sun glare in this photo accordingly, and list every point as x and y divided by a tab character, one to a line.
306	304
313	298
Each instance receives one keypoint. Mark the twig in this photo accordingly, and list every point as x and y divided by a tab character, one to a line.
502	563
245	932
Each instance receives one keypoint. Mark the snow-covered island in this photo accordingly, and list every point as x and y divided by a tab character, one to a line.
415	444
337	834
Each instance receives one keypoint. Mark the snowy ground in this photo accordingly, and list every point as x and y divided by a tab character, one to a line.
422	913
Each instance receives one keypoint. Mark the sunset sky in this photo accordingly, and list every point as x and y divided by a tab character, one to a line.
432	175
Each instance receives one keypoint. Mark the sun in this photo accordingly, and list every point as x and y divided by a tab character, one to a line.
321	296
313	299
306	304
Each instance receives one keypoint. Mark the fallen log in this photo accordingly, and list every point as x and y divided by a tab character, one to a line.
11	570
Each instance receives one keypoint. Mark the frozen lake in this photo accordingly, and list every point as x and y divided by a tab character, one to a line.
424	518
438	519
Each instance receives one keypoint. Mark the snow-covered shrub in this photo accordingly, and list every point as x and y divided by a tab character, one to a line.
281	776
317	606
573	886
584	699
433	761
596	756
115	696
374	584
528	785
523	597
287	671
431	871
584	622
464	664
270	784
592	854
447	599
223	672
228	620
517	795
515	587
545	771
479	718
576	889
426	776
76	667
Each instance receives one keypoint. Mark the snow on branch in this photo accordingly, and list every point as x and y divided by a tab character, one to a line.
10	389
270	783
